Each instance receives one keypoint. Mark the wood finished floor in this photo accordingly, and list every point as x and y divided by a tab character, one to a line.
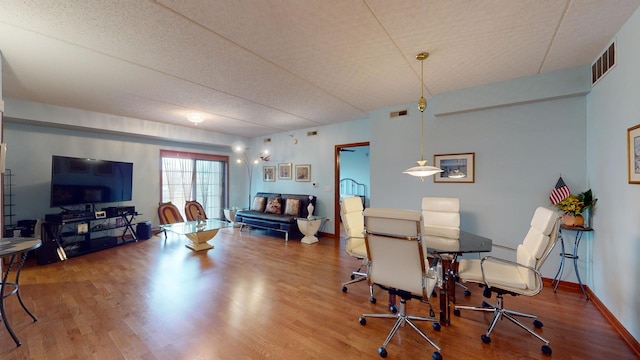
256	297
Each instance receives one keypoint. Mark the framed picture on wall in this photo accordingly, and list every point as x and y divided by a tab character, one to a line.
269	173
633	154
457	168
303	172
284	171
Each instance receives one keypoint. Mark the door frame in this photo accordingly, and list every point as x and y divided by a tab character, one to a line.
336	186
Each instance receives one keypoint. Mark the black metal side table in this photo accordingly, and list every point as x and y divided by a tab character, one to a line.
565	255
12	248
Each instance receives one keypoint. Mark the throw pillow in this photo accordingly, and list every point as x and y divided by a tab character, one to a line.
292	207
258	203
273	206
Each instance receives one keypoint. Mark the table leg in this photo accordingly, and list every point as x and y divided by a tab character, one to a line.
445	293
556	279
575	263
199	240
3	287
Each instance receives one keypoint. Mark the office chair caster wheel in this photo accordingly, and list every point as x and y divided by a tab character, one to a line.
432	313
486	304
436	356
467	293
456	312
436	326
546	349
393	308
362	321
538	324
353	276
486	293
485	339
344	289
372	300
382	352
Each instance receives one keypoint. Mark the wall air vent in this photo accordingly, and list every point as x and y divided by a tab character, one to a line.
267	140
312	133
603	64
395	114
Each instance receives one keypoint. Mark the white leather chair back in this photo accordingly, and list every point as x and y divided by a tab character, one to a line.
353	222
441	223
537	244
393	239
351	215
441	217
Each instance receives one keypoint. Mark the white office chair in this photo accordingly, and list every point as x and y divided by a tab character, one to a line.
442	229
397	265
520	277
353	222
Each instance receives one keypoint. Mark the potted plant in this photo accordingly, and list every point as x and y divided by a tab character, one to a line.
574	206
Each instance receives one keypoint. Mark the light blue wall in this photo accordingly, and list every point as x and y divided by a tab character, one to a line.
520	150
317	151
613	107
29	157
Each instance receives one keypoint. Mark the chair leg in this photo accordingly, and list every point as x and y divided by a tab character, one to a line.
357	276
499	312
402	318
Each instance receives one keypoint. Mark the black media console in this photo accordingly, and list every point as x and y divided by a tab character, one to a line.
82	232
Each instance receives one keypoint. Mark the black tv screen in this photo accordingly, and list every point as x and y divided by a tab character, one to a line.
76	181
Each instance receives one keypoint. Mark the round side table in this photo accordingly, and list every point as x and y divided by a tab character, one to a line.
309	228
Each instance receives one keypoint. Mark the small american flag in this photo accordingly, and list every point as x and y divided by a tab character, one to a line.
560	192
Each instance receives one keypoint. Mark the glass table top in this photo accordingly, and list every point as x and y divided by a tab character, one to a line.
467	243
191	227
312	218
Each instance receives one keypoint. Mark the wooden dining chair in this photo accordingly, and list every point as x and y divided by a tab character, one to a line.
169	214
192	208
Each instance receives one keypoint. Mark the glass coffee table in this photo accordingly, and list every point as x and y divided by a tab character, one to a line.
198	233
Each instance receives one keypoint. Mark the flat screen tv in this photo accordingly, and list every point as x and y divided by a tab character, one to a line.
76	181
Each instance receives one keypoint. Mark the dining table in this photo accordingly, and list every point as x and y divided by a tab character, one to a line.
467	243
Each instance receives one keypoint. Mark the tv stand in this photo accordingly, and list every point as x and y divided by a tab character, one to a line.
80	232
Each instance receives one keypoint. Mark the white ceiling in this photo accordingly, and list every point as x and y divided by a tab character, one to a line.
257	67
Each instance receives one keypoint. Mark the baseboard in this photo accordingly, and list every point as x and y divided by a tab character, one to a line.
326	235
617	326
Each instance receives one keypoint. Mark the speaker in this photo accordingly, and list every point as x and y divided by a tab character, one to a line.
143	230
47	253
110	211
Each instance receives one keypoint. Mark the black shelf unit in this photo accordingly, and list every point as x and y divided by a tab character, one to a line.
9	204
84	234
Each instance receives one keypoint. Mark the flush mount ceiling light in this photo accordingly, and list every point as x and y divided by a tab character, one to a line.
422	170
195	118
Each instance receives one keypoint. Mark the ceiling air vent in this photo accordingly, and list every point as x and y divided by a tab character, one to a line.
312	133
603	64
395	114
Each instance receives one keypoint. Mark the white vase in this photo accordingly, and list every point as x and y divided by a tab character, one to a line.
310	211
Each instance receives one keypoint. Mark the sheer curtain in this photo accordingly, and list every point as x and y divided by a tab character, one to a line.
209	187
200	177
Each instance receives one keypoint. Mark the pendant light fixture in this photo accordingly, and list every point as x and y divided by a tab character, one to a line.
422	170
195	118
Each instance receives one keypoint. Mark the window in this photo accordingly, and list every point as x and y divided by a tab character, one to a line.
192	176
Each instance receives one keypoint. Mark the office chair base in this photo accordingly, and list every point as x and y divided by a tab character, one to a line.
401	319
355	277
499	312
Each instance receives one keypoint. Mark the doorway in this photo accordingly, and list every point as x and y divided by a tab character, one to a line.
354	156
